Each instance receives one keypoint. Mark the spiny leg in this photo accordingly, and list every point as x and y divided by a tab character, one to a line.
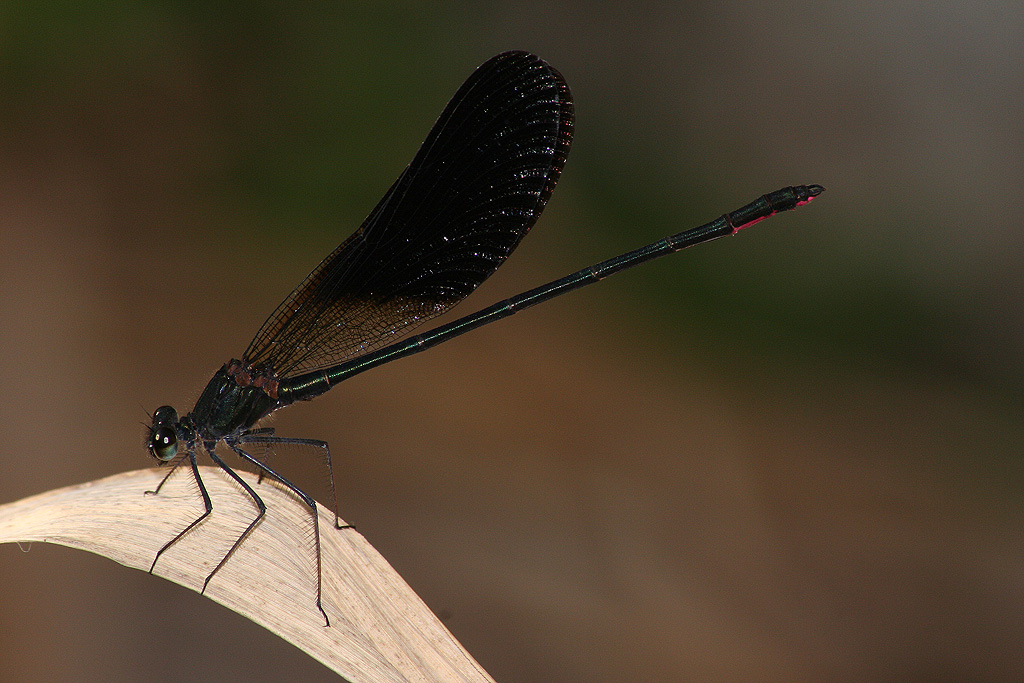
306	498
174	468
263	431
256	437
255	498
206	502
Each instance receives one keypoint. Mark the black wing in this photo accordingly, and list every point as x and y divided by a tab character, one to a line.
475	187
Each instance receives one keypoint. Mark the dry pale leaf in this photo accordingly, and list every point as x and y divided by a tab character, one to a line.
380	629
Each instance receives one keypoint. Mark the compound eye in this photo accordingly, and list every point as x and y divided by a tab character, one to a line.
164	444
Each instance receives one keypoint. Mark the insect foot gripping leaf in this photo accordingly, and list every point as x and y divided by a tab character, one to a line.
380	630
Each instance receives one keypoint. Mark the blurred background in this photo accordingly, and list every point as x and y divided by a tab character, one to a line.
790	456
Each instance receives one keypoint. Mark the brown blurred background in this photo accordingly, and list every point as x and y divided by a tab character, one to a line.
790	456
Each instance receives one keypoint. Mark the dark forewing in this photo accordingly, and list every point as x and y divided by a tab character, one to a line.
473	190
